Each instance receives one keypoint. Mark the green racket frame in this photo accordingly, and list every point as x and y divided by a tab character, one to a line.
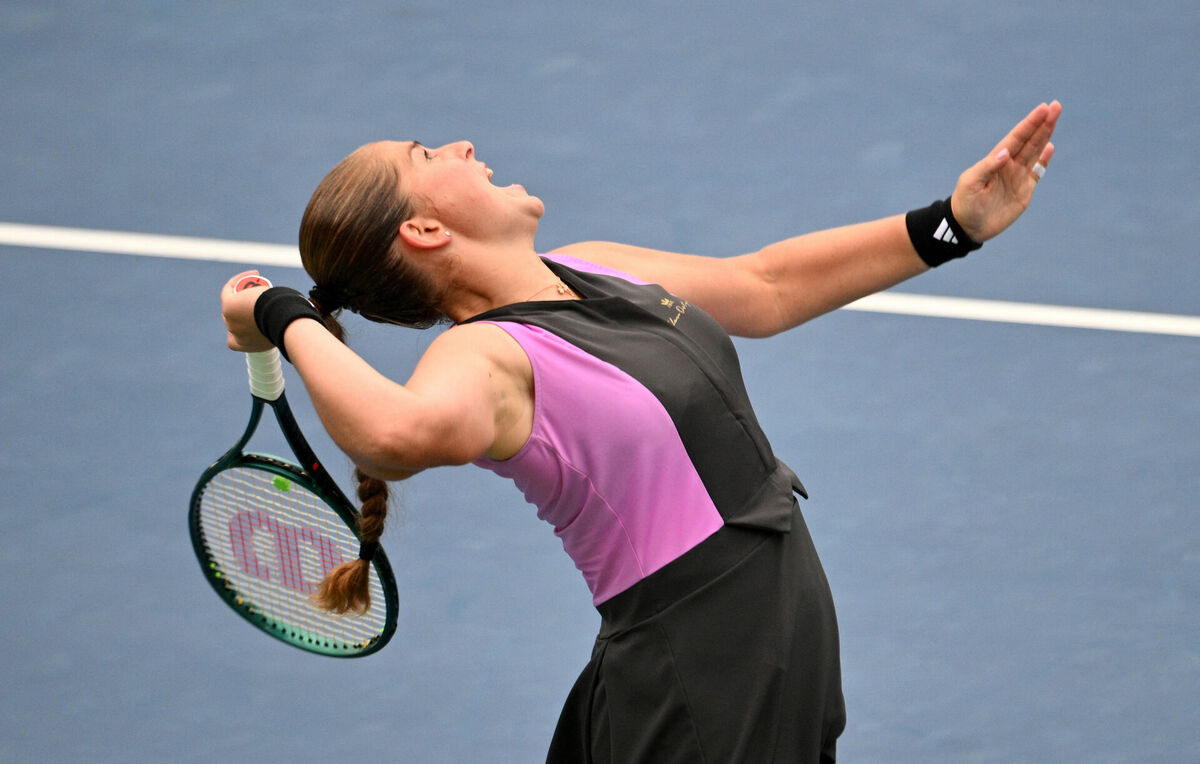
314	479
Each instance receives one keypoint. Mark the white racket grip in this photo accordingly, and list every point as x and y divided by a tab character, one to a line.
266	374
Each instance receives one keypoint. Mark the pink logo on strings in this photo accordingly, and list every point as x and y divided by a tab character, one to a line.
288	541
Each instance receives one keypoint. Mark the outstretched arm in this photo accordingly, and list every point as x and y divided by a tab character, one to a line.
789	282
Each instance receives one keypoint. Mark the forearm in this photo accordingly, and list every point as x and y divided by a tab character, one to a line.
806	276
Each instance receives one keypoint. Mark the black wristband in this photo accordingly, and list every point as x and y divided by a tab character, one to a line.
937	236
276	309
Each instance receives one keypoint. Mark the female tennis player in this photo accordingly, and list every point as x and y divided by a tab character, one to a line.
600	377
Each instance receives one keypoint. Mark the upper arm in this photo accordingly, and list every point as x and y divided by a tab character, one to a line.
467	398
476	388
736	291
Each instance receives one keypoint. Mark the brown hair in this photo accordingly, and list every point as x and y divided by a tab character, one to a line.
349	246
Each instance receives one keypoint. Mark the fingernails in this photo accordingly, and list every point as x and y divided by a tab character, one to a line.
1002	155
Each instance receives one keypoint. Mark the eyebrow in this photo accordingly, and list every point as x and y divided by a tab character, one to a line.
413	145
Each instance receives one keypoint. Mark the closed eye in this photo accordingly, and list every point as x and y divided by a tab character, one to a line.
424	151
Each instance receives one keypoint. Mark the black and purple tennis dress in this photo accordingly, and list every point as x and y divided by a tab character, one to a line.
718	641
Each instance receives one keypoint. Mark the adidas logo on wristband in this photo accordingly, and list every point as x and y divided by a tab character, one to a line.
948	241
944	233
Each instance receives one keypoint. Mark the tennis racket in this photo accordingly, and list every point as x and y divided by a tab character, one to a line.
267	530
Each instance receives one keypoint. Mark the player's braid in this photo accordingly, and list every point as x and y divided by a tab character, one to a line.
346	588
373	496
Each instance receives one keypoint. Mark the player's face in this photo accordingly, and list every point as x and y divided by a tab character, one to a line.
450	183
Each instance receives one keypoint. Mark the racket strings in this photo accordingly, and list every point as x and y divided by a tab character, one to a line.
272	540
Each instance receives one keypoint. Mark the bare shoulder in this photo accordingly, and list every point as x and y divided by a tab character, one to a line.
723	286
642	262
477	386
475	363
481	369
677	271
474	344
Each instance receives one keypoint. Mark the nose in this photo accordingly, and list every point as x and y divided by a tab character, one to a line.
461	149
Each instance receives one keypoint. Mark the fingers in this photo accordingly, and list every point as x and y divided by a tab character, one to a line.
1045	119
1026	150
234	301
237	311
1031	150
1038	170
1028	140
1047	153
1019	135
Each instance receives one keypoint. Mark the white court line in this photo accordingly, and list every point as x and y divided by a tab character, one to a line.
279	255
155	245
1029	313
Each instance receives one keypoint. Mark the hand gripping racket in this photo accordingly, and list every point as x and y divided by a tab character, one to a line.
266	532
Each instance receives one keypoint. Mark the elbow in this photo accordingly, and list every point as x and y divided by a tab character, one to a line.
405	448
772	301
381	451
754	332
773	320
755	306
382	472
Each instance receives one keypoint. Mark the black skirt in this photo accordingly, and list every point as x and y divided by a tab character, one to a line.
728	654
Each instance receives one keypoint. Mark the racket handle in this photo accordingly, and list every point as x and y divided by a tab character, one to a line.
265	368
266	374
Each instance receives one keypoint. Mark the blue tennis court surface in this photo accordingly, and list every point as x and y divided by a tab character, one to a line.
1008	513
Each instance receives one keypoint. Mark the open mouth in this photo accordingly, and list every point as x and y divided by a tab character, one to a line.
514	188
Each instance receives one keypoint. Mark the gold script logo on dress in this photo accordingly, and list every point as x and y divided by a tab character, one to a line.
678	306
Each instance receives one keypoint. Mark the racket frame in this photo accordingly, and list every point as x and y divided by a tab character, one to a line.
312	476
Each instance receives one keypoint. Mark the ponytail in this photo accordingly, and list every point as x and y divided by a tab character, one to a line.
346	588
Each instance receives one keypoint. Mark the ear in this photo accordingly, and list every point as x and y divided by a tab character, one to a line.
424	233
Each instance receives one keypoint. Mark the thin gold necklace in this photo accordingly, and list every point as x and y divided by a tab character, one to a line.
558	285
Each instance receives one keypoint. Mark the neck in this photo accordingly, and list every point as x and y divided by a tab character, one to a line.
489	277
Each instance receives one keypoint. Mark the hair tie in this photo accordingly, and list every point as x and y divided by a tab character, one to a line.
367	550
326	300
